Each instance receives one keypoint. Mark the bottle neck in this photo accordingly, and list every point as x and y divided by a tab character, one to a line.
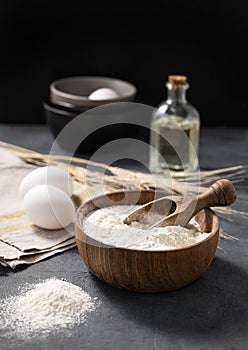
176	93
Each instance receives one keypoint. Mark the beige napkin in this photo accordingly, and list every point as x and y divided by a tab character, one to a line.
21	242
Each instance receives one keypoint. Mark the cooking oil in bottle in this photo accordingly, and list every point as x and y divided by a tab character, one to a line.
175	128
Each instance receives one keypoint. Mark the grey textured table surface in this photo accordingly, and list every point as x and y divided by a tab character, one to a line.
211	313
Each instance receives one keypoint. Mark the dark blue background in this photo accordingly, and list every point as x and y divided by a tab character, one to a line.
142	43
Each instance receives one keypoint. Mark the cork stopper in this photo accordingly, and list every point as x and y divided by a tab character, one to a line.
177	79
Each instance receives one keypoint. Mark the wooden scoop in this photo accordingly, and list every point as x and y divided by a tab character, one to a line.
221	193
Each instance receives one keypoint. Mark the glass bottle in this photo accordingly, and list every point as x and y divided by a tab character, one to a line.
175	128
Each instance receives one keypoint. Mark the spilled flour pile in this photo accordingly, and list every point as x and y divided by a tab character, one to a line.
48	306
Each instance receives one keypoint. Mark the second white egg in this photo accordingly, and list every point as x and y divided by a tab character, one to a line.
49	207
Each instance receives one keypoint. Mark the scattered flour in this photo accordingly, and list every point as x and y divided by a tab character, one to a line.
45	307
106	225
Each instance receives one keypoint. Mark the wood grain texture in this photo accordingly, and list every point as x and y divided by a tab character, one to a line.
211	313
145	271
178	211
220	193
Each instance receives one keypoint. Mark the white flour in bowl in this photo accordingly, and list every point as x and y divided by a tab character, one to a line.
50	306
106	226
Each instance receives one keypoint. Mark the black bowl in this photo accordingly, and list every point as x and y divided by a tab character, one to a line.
58	118
72	92
68	99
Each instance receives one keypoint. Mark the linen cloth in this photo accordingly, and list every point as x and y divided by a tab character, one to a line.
21	242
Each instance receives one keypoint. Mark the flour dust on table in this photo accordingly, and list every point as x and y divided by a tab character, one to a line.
50	306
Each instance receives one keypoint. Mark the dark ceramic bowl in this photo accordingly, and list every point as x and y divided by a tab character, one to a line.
73	92
58	118
65	103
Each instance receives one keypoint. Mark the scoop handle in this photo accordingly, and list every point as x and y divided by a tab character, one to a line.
220	193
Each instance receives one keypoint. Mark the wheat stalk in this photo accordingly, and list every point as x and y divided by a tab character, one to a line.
114	178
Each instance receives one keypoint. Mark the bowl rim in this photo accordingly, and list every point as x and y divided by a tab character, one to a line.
170	251
49	106
83	100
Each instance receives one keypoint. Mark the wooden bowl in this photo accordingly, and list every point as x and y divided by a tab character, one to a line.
145	271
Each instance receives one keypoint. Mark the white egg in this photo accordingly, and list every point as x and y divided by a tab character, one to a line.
47	175
49	207
103	94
